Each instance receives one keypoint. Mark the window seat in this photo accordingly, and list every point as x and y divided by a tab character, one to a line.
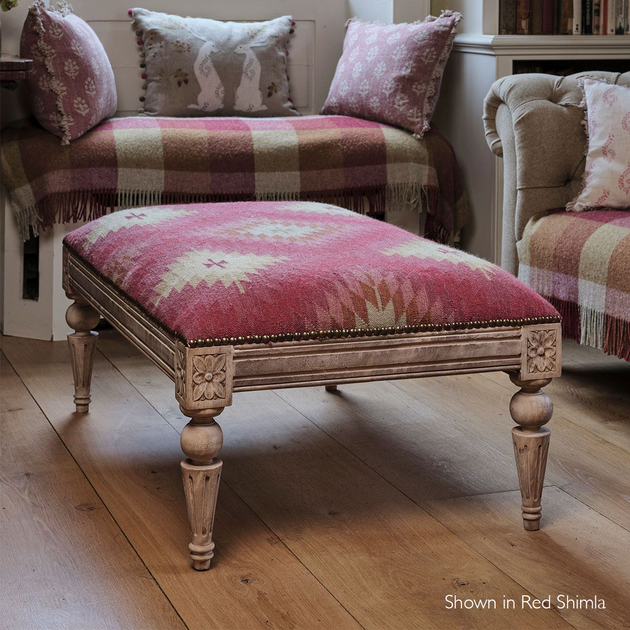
137	161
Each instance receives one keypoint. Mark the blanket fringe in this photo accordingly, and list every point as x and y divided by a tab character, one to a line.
617	338
592	328
87	205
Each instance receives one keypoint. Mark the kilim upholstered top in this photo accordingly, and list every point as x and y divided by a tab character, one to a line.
266	271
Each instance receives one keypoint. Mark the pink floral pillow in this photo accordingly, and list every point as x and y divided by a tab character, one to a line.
72	82
606	179
392	73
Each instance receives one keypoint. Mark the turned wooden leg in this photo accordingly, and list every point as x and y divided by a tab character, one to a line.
81	317
201	441
331	388
531	408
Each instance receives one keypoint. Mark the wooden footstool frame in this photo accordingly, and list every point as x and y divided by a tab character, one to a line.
206	376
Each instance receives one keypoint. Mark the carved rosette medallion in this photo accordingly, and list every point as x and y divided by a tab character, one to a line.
209	377
203	376
541	352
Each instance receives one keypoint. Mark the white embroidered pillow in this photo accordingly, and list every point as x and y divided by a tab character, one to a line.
202	67
606	180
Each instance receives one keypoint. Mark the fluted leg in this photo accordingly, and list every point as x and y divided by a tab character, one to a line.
81	317
531	408
201	441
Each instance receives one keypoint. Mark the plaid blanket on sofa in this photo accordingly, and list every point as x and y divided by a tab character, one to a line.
580	262
139	161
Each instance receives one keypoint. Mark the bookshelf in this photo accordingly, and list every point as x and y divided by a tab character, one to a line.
563	12
480	57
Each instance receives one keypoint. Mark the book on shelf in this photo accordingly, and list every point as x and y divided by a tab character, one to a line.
610	26
548	18
536	18
621	13
597	16
523	12
507	17
564	17
577	17
587	17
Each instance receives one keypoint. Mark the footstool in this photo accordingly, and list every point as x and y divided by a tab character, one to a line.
233	297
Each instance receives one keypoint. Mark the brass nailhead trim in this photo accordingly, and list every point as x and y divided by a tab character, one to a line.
366	332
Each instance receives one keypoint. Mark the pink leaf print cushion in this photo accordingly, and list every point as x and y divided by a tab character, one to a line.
391	73
72	84
606	179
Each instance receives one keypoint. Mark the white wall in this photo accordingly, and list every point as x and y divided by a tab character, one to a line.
389	10
472	10
371	10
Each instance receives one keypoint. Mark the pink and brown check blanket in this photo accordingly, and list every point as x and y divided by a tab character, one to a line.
580	262
138	161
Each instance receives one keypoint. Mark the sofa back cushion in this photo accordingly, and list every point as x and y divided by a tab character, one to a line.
202	67
72	85
606	179
392	73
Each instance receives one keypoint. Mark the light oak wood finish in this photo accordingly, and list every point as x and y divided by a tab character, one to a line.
60	548
577	550
531	409
206	377
131	456
81	317
334	518
582	462
581	553
201	441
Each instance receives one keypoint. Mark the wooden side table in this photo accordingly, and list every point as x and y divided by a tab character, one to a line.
12	70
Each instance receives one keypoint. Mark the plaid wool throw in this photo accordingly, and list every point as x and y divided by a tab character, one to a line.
580	262
139	161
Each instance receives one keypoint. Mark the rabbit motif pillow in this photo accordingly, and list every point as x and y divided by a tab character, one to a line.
202	67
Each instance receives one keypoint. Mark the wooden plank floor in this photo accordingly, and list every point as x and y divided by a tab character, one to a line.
359	509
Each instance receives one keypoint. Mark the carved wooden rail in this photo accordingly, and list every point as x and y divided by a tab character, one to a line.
206	377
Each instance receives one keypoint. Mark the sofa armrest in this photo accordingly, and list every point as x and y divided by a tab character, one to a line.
534	121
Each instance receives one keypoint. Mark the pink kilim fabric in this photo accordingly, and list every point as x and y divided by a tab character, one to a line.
271	268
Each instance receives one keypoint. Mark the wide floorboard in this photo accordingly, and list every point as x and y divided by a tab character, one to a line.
363	508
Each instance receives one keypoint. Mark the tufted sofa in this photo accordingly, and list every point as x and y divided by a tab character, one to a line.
534	122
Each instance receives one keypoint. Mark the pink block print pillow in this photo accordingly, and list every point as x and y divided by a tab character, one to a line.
392	73
606	179
72	83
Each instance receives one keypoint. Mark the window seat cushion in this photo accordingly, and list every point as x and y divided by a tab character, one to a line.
128	162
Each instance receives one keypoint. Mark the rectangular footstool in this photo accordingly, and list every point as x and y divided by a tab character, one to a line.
234	297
